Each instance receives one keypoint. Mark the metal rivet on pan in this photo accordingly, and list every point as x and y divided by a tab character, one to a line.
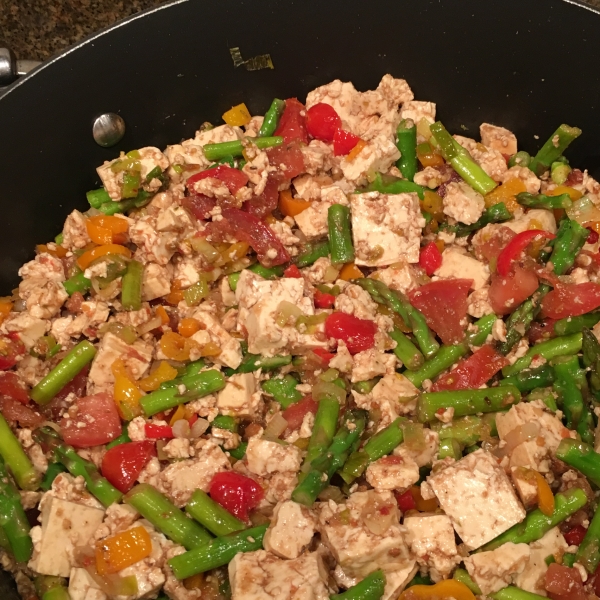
108	129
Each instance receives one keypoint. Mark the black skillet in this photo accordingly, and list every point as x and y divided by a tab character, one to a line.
528	65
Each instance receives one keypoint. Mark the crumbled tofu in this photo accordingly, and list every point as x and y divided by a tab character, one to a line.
364	534
498	138
42	288
463	203
353	300
417	110
402	278
136	356
478	497
312	221
386	228
531	579
178	448
118	517
527	176
156	282
494	570
536	218
239	397
83	587
72	489
431	539
372	363
490	160
318	156
75	234
260	575
478	303
398	390
231	351
136	429
457	264
342	361
179	480
64	525
264	457
392	473
396	91
259	301
153	246
543	429
377	155
431	177
308	187
421	455
29	328
291	530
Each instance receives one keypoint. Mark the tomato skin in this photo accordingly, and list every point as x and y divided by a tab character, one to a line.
571	300
292	271
158	432
564	583
358	334
13	387
515	247
294	414
322	121
234	179
344	142
575	536
323	355
506	293
472	372
405	501
102	421
250	229
292	125
323	300
56	407
11	348
15	411
444	306
430	258
122	464
266	203
236	493
290	156
199	205
541	331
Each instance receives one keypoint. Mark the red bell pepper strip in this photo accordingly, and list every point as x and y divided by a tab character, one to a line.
513	249
344	142
159	432
324	300
292	271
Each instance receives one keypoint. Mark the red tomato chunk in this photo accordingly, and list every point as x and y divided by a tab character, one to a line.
430	258
358	334
322	122
571	300
292	125
236	493
122	464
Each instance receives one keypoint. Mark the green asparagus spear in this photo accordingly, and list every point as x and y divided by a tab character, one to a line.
387	184
451	448
312	253
323	430
253	362
536	523
576	324
17	461
591	358
77	283
520	159
370	588
546	395
266	272
223	149
340	236
131	292
570	238
530	379
465	430
497	213
553	148
463	577
566	370
406	135
514	593
406	351
212	515
582	457
283	390
588	553
542	201
271	120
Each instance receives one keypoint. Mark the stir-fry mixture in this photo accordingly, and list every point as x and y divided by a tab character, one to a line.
331	352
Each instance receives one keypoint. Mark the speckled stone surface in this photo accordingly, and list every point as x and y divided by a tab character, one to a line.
38	29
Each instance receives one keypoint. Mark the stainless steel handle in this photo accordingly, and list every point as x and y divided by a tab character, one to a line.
11	68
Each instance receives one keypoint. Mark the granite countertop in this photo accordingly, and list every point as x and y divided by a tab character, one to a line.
38	29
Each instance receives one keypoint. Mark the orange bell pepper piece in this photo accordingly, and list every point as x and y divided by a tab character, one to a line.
164	372
506	193
545	495
421	504
356	150
449	588
6	305
175	296
106	229
176	347
565	189
87	258
126	393
234	252
289	206
433	204
162	313
428	157
188	327
57	251
179	414
122	550
350	271
237	116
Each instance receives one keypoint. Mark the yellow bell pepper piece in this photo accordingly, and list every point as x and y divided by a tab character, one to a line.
234	252
188	327
289	206
176	347
444	590
237	116
122	550
422	504
87	258
127	394
164	372
6	305
506	193
179	414
545	495
433	204
565	189
350	271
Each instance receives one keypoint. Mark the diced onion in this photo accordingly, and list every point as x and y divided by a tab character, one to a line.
583	211
331	274
125	332
325	389
52	425
181	429
208	251
287	311
332	492
517	436
198	428
154	323
108	292
275	427
378	523
329	375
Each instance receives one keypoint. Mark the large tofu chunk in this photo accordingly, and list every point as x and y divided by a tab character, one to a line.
136	356
494	570
386	228
392	473
260	575
364	534
431	539
536	218
64	525
259	301
83	587
239	396
378	155
463	203
477	495
265	457
457	264
498	138
231	350
291	530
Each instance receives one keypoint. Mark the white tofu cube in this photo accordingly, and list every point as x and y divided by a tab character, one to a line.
431	538
179	480
478	497
498	138
231	350
291	530
401	278
367	536
463	203
417	110
536	218
260	575
422	455
494	570
239	396
392	473
378	155
386	228
64	525
457	264
528	177
264	457
156	282
83	587
312	222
